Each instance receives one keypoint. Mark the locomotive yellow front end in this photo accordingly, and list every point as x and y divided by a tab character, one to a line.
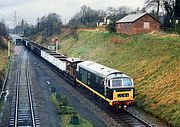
123	92
123	99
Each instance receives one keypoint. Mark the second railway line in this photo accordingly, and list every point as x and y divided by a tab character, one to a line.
23	110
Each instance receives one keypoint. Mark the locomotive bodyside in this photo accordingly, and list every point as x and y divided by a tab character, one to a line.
109	84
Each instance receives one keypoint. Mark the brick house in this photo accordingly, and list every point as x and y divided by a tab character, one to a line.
137	24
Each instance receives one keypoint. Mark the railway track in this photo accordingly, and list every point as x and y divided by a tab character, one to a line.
122	118
23	105
138	119
128	119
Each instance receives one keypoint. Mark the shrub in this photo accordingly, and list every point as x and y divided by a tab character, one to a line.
66	110
75	120
178	28
111	27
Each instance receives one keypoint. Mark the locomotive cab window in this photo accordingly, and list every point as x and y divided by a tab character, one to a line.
127	82
116	83
123	82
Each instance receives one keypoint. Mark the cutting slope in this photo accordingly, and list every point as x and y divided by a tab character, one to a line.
152	61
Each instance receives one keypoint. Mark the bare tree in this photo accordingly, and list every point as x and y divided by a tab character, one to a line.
157	4
116	14
177	9
169	18
87	17
2	29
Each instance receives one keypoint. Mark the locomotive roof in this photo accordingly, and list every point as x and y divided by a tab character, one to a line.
101	70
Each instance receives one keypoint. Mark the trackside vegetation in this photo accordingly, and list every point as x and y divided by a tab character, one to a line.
67	113
3	64
151	59
3	58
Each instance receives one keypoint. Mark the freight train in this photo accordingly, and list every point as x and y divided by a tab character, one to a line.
112	86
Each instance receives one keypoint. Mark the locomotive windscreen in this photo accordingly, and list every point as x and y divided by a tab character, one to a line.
121	82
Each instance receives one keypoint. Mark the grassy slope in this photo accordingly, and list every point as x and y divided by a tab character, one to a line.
3	59
152	61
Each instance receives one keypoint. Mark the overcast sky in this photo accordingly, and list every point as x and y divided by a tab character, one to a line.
31	9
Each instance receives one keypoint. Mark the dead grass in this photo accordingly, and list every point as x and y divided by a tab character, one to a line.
117	40
156	33
97	29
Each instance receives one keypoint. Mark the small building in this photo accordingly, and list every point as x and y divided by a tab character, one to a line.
137	24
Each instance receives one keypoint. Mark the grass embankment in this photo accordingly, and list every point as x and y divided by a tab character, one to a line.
66	113
151	60
3	64
3	58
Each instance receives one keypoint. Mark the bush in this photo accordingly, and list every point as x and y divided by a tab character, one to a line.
111	27
62	104
63	101
75	120
66	110
178	28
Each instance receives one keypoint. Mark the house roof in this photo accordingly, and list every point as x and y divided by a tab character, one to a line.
133	17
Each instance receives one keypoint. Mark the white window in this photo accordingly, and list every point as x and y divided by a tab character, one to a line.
146	25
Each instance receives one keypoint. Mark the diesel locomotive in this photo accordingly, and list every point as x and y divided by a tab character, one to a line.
113	86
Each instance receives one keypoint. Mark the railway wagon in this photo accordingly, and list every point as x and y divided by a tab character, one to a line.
55	59
71	66
37	48
29	45
18	41
111	85
24	42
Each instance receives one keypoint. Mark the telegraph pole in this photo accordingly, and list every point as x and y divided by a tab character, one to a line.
57	45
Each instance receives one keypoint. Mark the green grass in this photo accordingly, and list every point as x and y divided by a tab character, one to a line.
67	111
54	100
62	105
67	118
151	60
